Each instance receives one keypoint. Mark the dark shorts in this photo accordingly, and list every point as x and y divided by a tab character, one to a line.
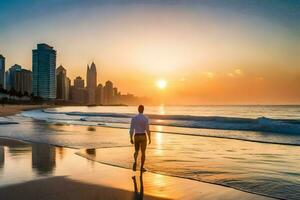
140	141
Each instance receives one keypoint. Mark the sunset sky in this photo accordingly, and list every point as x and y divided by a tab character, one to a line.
207	52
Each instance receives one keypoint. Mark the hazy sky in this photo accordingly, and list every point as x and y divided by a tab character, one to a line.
209	52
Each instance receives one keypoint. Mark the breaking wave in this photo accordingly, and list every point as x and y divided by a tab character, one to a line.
262	124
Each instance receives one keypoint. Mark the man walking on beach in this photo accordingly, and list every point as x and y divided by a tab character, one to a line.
139	128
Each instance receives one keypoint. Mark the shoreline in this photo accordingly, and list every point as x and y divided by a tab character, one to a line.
116	183
23	108
11	109
179	177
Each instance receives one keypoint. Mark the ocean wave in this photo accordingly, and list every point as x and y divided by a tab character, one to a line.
222	136
262	124
6	121
258	130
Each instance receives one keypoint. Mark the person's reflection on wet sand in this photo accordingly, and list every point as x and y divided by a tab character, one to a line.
138	195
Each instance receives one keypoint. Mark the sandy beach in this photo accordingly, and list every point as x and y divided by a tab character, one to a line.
9	109
58	173
58	155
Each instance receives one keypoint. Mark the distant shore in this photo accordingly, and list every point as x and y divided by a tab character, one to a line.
10	109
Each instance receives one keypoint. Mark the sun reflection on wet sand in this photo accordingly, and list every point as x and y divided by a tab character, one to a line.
235	163
30	165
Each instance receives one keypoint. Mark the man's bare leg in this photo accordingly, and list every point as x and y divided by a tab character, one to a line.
143	157
135	155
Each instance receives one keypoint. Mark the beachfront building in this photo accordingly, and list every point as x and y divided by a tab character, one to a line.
79	93
44	72
78	82
2	71
68	88
10	74
22	81
116	96
99	94
108	92
62	87
19	80
91	79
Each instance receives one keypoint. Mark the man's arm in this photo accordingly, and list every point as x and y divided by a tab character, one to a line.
148	132
131	131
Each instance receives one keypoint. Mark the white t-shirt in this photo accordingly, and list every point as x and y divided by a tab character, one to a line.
139	124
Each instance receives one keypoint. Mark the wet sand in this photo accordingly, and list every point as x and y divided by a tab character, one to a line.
8	109
58	173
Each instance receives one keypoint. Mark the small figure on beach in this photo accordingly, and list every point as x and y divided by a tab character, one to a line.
138	129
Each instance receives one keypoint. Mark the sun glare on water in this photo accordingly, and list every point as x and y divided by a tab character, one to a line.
161	84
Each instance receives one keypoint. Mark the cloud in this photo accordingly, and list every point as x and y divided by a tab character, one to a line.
230	74
235	73
209	75
238	72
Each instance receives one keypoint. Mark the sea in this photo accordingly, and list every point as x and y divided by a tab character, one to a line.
250	148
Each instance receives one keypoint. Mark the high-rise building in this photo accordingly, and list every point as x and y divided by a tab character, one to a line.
19	79
10	74
2	71
108	93
44	71
116	95
91	78
68	89
6	84
62	88
22	81
99	94
79	93
78	82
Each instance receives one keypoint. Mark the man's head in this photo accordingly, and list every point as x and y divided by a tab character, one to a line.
141	109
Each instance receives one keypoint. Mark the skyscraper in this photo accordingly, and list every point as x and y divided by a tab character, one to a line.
62	89
108	92
22	81
68	89
10	75
43	69
18	79
79	93
116	95
99	94
78	82
2	71
91	78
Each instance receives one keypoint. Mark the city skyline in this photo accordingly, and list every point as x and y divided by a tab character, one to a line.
202	58
48	82
150	99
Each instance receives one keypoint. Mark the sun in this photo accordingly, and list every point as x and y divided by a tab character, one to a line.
161	84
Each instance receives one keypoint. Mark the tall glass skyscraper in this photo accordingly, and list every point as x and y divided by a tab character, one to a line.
2	70
43	71
91	78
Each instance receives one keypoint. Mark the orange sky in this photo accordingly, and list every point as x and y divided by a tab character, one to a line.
206	55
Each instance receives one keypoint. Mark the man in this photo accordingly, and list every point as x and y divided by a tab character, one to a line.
139	127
